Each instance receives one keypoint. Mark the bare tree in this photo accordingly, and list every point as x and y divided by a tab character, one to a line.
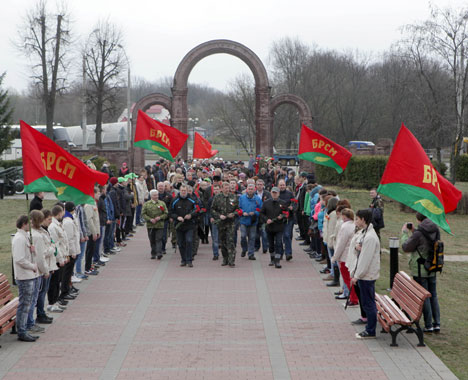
104	61
443	39
234	114
44	37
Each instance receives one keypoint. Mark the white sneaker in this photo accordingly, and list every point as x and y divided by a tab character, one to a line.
75	279
104	259
54	309
116	249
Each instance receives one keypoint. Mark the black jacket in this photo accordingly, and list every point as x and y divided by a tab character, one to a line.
181	207
36	204
271	209
101	204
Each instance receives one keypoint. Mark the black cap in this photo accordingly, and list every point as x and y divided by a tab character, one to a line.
69	206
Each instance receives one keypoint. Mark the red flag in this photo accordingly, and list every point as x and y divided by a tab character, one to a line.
45	163
411	179
202	147
321	150
160	138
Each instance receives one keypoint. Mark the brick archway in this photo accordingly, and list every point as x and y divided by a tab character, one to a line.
305	115
137	159
264	132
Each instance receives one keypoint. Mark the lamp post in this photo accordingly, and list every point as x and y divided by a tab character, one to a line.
84	128
129	132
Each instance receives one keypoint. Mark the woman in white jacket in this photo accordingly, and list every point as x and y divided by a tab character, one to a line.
343	240
329	224
367	270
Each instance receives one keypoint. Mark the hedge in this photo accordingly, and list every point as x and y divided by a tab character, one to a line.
461	168
361	172
10	163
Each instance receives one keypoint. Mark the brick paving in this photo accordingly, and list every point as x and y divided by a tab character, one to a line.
150	319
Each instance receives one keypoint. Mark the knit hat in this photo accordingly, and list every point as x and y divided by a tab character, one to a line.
113	181
122	179
69	206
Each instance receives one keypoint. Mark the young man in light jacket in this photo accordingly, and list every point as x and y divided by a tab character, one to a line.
93	228
72	229
367	270
59	236
26	273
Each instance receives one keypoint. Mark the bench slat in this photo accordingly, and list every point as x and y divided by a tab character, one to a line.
7	327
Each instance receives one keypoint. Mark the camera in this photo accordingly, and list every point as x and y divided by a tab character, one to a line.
409	226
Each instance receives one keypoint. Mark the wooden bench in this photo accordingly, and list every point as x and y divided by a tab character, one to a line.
8	306
404	308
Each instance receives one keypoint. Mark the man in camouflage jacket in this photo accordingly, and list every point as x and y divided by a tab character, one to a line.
223	211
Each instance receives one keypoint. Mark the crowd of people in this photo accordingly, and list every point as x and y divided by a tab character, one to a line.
187	203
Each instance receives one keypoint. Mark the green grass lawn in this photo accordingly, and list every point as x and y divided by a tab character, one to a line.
450	345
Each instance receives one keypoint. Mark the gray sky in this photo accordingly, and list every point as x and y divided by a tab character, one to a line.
159	33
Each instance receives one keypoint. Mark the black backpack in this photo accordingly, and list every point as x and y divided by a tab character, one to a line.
435	259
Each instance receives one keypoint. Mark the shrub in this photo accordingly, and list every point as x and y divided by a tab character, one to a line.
461	168
361	172
10	163
440	167
98	161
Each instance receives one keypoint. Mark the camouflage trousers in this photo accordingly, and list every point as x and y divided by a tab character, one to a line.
226	242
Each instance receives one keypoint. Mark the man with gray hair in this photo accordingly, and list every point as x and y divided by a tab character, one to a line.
155	213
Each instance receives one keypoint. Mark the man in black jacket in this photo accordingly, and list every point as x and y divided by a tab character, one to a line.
273	211
286	196
261	233
36	203
114	195
182	212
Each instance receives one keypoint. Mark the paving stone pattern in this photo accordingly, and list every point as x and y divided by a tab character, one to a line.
150	319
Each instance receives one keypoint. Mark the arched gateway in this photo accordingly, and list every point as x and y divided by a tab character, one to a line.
263	109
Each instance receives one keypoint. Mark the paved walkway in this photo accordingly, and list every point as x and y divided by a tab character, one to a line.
149	319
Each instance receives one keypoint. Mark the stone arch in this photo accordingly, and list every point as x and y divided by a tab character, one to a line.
264	135
305	115
143	104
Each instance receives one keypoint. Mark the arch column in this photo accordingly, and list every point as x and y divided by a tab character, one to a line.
264	130
179	117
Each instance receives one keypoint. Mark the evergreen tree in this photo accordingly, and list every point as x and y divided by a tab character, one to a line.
6	113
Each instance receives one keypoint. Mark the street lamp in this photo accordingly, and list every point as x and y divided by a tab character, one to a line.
129	133
194	122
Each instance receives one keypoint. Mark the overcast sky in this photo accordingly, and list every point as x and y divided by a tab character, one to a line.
159	33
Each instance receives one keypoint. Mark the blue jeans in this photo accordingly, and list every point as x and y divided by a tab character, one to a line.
214	239
287	237
367	290
97	246
331	252
138	214
248	238
25	293
185	242
109	237
275	244
41	297
79	258
261	235
36	288
431	309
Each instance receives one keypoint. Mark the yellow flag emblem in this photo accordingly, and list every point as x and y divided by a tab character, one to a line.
321	159
158	148
430	206
60	190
